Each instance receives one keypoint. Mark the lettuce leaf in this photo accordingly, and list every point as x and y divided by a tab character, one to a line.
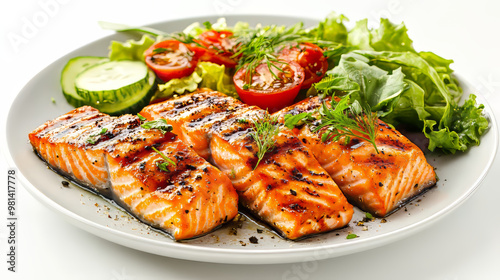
405	88
391	37
469	122
178	86
359	36
206	74
377	87
195	28
388	37
331	29
131	49
217	77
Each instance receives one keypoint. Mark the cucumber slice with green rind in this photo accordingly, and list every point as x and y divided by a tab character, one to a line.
74	67
133	104
116	87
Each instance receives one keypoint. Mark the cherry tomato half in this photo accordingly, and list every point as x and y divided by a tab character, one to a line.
271	89
311	58
171	59
217	47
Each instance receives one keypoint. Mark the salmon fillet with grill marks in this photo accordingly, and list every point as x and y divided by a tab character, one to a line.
289	189
189	199
375	182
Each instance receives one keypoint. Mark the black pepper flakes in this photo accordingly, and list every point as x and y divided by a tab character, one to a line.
190	167
65	184
294	193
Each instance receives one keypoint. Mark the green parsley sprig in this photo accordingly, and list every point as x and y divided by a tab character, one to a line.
160	124
264	131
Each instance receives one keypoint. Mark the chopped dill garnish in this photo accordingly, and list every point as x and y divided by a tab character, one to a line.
167	161
265	129
159	50
95	137
141	117
260	45
343	119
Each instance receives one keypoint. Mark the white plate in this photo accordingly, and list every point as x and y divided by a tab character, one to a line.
459	174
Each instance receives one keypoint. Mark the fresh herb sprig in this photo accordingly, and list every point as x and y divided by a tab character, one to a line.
264	131
95	137
163	165
260	45
160	124
342	119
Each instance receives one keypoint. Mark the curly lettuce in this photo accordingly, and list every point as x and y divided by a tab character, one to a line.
130	49
206	74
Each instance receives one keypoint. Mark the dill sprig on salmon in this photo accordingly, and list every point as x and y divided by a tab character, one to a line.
265	129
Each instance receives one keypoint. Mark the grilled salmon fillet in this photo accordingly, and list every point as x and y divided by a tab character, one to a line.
288	190
192	116
119	159
378	183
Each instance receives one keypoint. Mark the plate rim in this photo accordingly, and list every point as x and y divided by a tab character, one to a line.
231	255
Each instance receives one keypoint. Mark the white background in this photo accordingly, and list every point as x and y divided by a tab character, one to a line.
463	245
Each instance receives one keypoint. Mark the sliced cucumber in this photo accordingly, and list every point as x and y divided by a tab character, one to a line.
116	87
68	75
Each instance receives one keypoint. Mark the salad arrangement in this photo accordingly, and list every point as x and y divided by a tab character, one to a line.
368	70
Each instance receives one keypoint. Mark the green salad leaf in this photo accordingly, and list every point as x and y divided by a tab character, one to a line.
391	37
130	49
331	29
380	67
178	86
217	77
405	88
195	28
375	86
206	74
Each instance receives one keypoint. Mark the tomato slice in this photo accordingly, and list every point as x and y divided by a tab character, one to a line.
171	59
271	89
217	47
310	57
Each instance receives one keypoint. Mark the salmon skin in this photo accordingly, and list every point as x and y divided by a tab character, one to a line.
378	183
288	190
117	158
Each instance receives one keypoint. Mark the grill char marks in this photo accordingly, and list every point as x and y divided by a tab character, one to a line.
188	199
192	116
295	205
377	183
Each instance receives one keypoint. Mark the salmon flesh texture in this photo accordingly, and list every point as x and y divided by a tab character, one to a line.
378	183
190	199
288	190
